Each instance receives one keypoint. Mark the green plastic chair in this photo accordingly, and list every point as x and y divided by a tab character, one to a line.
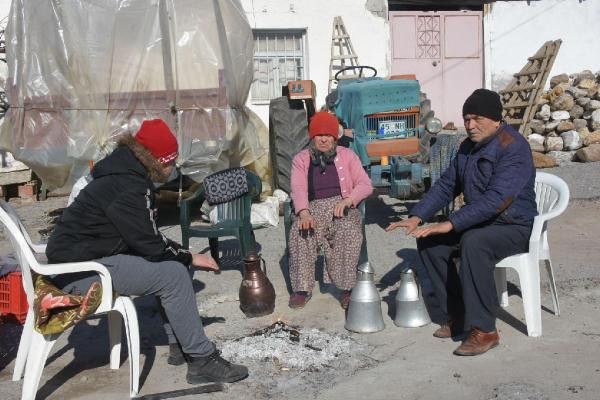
233	219
287	221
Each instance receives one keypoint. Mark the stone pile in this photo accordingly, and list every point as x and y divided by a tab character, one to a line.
567	120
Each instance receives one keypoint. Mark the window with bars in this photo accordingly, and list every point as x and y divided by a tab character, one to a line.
278	58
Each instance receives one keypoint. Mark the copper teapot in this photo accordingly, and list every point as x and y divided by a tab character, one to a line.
257	295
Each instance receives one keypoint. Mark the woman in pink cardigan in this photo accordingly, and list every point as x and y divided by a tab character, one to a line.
328	181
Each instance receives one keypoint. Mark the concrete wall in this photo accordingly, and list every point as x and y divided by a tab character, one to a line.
514	31
365	20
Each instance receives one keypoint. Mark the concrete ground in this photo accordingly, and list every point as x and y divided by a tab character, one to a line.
395	363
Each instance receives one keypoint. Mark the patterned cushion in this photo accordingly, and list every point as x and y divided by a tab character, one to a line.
56	311
226	185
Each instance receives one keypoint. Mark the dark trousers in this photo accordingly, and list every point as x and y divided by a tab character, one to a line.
468	290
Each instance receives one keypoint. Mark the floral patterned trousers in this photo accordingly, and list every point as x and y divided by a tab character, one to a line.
340	239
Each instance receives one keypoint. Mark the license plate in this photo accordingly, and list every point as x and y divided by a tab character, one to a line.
392	128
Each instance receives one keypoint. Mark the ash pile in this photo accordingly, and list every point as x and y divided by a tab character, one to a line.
294	349
291	362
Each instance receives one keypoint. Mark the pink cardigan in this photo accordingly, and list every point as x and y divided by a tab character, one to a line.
354	182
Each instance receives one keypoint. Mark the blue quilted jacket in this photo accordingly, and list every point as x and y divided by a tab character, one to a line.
497	178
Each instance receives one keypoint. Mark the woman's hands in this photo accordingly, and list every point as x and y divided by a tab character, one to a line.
411	227
307	221
338	210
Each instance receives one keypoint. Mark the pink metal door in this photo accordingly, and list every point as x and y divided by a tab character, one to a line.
444	50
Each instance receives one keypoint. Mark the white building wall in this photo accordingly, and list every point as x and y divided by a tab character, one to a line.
514	31
4	8
368	32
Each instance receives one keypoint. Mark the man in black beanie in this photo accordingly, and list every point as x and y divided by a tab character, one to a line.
494	171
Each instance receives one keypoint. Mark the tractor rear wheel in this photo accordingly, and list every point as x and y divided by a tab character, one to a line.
288	135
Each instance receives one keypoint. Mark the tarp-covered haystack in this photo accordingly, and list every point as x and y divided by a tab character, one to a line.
83	72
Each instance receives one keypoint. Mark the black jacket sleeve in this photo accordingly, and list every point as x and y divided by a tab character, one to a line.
133	215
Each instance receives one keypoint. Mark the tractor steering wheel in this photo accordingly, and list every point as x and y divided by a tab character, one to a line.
360	69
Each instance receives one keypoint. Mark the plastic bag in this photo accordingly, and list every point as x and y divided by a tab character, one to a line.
281	195
82	73
79	184
263	214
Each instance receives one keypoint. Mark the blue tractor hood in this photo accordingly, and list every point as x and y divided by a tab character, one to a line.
363	97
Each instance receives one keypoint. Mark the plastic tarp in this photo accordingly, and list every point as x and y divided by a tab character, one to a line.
364	97
83	72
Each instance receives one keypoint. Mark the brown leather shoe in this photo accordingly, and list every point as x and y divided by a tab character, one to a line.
443	332
478	342
449	329
345	299
299	299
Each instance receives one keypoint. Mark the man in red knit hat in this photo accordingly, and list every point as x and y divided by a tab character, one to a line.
113	221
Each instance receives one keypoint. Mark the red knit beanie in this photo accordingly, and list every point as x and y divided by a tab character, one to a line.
323	123
156	136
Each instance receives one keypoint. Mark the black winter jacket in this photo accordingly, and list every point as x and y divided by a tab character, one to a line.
115	214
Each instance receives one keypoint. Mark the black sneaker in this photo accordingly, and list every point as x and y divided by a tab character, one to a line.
214	368
175	355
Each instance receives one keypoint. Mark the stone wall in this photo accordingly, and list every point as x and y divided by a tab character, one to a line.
567	120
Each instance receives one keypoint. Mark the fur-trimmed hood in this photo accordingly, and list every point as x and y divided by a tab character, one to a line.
150	163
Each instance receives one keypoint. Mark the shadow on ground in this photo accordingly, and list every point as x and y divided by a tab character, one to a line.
10	332
380	213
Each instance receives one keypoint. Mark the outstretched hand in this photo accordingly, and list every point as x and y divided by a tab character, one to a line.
204	261
409	225
433	229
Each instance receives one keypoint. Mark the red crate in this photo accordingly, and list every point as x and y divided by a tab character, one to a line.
13	300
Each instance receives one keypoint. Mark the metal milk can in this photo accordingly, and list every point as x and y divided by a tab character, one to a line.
411	311
364	311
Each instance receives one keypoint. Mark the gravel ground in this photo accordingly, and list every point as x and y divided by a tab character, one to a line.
583	179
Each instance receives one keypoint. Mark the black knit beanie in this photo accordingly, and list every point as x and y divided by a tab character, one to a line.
485	103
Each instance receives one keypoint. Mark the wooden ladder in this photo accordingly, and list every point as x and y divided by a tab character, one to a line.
342	53
521	95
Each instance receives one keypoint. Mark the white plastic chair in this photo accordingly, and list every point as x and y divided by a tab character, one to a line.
552	197
39	250
34	347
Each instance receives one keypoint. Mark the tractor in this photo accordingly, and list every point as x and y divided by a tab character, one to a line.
393	126
391	121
